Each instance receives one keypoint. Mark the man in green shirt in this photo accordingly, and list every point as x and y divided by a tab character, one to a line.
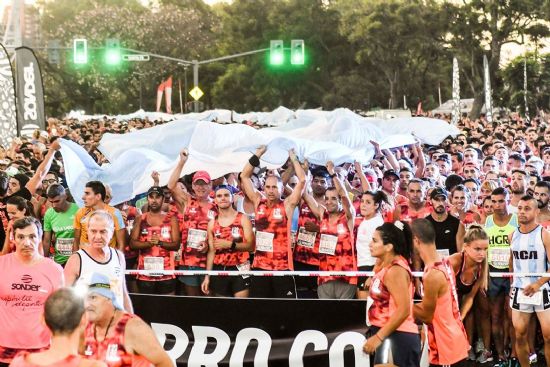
58	225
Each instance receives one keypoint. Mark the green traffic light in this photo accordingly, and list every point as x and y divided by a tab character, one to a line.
80	51
113	57
297	54
276	52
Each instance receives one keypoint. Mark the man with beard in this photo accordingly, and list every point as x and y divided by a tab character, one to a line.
58	224
446	226
155	235
273	218
518	186
542	195
530	246
198	210
405	176
306	250
415	207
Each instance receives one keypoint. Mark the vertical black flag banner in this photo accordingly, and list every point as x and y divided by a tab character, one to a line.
8	114
30	92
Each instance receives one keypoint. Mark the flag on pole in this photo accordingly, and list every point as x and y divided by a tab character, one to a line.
487	89
456	93
525	89
8	111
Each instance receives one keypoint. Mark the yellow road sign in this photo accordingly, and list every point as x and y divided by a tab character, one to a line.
196	93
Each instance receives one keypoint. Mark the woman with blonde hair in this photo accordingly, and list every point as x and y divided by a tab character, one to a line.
487	188
471	270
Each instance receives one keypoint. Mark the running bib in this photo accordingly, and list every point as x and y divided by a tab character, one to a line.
195	238
153	263
264	241
244	267
327	245
64	246
305	238
443	253
499	257
535	299
165	233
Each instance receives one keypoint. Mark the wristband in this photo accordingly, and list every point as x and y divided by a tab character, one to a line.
254	161
233	245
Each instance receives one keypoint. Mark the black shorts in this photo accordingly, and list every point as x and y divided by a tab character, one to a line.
272	287
403	347
157	287
228	286
309	283
361	281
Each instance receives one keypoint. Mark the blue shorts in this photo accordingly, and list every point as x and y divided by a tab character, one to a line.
191	280
498	286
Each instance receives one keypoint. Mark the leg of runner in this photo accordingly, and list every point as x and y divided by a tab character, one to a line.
520	321
483	310
544	319
497	320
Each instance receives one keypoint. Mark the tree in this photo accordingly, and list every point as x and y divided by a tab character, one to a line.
480	27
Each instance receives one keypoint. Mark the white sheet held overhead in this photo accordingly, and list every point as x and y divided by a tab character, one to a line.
339	135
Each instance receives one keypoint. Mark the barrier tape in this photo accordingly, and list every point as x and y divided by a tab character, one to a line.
261	273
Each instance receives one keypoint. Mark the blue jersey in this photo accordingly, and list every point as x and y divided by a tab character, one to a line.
529	256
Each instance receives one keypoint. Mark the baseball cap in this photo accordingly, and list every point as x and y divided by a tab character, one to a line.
101	285
438	191
155	190
201	175
390	172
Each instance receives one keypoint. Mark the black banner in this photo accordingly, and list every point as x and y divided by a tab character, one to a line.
201	331
30	92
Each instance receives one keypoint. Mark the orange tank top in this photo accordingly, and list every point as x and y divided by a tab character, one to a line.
233	232
384	305
155	258
336	249
408	214
273	251
448	343
194	225
70	361
112	350
306	250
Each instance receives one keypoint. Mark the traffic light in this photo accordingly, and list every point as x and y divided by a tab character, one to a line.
113	56
276	52
80	51
297	52
53	52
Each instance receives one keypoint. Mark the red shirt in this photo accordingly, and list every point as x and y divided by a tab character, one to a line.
195	222
307	243
112	350
336	249
235	232
273	250
155	258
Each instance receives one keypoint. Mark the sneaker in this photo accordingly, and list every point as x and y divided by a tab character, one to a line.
485	356
479	346
501	363
513	362
471	355
533	358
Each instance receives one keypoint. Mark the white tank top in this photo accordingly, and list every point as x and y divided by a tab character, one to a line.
529	256
364	238
112	268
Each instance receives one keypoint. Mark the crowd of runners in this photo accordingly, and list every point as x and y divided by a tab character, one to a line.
464	212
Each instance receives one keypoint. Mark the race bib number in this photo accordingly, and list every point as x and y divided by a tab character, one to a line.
195	238
499	257
535	299
64	246
244	267
153	263
264	241
443	253
305	238
165	233
327	245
